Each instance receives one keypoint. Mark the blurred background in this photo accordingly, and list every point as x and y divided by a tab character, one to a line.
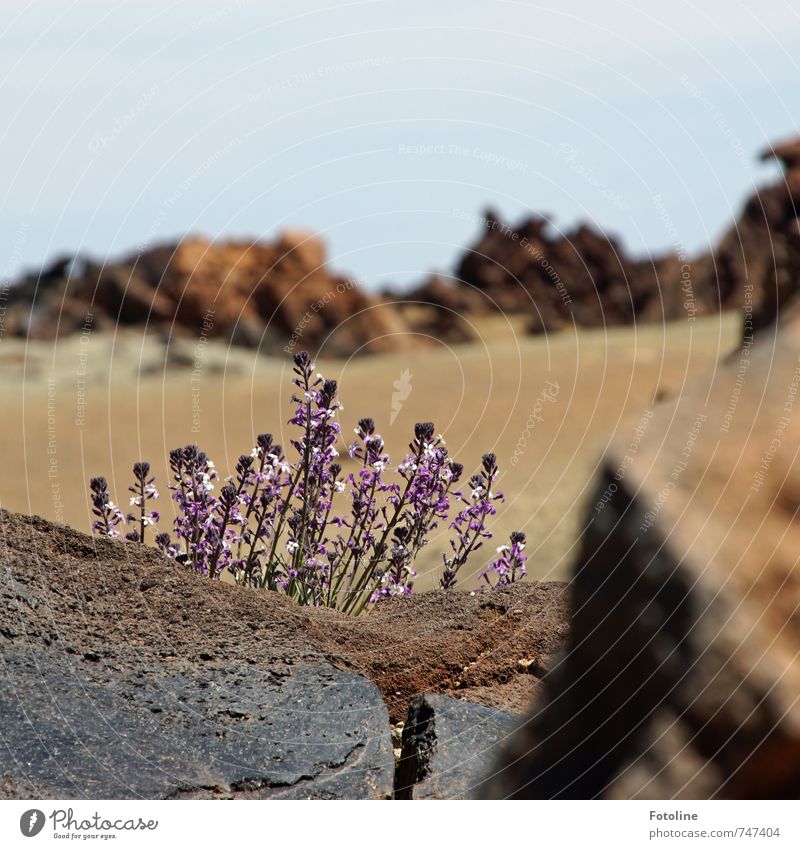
458	206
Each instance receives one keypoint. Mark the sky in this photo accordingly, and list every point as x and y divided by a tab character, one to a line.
386	126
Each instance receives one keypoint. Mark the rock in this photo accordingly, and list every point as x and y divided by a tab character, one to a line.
450	747
557	279
756	264
127	640
261	295
157	733
584	277
683	665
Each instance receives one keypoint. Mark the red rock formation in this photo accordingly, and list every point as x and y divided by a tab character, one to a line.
272	296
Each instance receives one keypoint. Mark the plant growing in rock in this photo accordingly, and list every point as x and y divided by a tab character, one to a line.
308	528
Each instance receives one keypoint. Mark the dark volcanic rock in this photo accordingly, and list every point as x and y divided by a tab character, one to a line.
450	747
111	646
179	731
683	665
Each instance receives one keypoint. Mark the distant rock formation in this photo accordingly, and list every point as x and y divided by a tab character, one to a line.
757	261
281	295
582	276
271	296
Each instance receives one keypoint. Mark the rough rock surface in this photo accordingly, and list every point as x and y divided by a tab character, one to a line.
259	294
174	730
682	672
450	747
119	620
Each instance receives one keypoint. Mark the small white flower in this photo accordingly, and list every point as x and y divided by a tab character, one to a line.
339	486
292	546
501	548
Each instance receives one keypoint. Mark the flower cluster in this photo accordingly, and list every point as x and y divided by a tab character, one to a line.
109	517
310	529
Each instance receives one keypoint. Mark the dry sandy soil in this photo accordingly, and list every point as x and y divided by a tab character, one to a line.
95	404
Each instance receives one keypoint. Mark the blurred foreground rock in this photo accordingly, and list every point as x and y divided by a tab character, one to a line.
682	676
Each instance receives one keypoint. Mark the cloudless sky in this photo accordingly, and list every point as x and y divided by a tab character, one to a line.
384	125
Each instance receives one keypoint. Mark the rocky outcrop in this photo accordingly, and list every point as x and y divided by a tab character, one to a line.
177	686
557	279
584	276
757	262
268	296
682	670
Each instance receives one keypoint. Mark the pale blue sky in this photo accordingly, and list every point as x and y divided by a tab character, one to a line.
131	122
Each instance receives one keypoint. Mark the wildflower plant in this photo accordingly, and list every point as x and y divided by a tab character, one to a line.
143	490
509	565
309	527
107	515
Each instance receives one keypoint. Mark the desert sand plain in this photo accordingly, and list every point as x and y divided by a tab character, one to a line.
546	405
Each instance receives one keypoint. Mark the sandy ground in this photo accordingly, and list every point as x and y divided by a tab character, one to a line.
546	406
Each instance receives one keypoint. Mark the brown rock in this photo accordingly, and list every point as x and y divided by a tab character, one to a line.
581	276
756	264
278	296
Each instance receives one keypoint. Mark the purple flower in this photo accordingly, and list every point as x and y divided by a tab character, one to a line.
470	523
143	490
509	565
108	515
